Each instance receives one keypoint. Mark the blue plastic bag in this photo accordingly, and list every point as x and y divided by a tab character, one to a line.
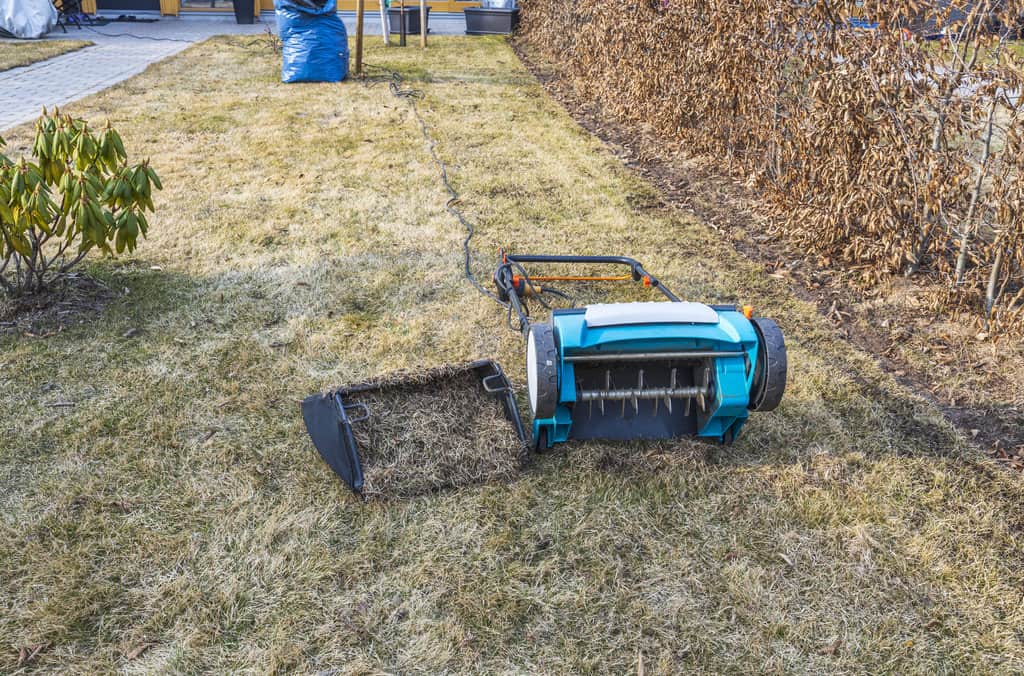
314	41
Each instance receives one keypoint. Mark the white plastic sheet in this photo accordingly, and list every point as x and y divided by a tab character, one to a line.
27	18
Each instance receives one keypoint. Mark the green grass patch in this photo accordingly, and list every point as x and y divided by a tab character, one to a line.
177	519
948	51
15	53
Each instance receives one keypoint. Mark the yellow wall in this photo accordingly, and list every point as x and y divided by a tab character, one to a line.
434	5
373	6
172	6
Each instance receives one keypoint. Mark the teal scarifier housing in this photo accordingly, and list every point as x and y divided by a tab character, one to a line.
651	370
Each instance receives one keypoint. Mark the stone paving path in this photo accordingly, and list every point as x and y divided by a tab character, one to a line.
117	56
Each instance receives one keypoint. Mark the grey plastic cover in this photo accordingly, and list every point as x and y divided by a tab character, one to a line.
27	18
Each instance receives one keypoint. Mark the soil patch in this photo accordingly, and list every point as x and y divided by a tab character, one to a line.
76	299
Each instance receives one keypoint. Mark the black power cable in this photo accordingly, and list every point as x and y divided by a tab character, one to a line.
248	45
515	304
136	37
412	95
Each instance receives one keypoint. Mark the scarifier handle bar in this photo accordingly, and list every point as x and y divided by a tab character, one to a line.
506	282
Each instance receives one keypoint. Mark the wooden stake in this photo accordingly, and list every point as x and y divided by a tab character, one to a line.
401	23
423	24
360	6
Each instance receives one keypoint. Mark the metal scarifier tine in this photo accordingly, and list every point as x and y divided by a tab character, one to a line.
706	380
639	389
654	404
607	386
668	400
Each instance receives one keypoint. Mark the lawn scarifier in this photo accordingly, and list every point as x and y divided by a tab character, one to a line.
612	370
603	371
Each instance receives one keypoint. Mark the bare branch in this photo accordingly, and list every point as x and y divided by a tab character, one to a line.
983	164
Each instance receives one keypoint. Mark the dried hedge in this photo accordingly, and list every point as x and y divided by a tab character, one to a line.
878	148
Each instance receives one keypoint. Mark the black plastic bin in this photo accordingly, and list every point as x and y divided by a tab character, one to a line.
245	11
412	20
491	20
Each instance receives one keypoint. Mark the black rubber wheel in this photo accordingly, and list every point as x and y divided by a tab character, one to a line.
542	370
770	370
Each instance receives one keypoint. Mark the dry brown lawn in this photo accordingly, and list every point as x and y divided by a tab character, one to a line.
174	517
14	53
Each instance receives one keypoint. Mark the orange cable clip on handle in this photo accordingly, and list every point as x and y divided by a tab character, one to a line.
637	271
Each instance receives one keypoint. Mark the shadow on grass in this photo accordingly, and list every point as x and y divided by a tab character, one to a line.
73	299
162	319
